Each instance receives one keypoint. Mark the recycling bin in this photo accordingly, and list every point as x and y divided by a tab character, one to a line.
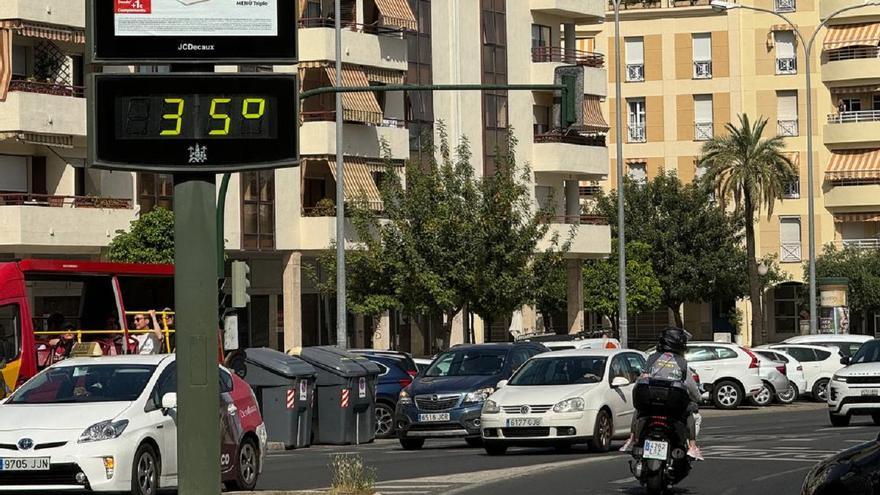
345	405
285	389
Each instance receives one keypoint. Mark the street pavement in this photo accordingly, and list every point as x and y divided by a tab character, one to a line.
749	451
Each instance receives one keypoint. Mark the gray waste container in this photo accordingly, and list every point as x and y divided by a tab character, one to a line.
345	409
285	389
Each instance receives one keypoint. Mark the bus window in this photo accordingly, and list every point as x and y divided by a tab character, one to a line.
10	332
145	293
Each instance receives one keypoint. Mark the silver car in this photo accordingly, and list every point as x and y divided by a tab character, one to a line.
772	373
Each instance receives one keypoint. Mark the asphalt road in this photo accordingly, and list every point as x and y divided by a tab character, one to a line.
747	452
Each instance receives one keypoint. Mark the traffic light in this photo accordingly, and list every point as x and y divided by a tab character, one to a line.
241	283
568	109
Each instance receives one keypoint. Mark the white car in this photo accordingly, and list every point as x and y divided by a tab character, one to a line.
108	424
728	372
563	398
847	343
855	389
794	371
563	345
772	373
820	364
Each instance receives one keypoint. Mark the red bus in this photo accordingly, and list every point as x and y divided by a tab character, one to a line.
91	297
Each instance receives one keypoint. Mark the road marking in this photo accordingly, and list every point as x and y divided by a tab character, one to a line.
798	440
623	481
783	473
842	428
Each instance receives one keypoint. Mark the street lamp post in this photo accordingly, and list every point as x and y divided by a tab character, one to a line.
621	223
722	6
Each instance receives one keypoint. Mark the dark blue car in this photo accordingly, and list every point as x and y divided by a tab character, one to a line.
397	372
445	401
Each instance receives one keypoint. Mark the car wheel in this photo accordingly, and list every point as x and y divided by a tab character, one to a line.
789	395
474	441
493	448
145	471
727	395
412	443
248	467
603	430
384	421
839	420
765	396
820	390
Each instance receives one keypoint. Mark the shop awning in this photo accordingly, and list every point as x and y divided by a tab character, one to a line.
852	35
871	216
45	31
795	158
398	14
359	183
358	107
854	165
593	119
5	62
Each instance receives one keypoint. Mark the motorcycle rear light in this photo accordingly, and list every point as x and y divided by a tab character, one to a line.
755	363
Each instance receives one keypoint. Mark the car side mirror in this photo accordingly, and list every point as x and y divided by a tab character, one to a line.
169	401
501	384
620	381
844	361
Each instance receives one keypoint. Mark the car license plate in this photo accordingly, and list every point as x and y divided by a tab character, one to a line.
520	422
26	464
433	417
656	450
870	392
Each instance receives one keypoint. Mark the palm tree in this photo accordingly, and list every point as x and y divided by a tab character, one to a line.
753	171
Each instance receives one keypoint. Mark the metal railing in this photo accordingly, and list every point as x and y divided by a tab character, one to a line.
575	219
854	117
637	133
786	65
791	252
52	201
703	131
786	6
590	191
657	4
45	88
542	54
635	72
852	52
791	190
787	128
858	243
702	69
580	139
330	116
321	22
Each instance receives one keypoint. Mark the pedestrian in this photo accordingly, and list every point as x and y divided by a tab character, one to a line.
149	339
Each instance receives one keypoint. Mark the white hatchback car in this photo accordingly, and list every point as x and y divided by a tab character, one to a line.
855	389
563	398
820	363
847	343
728	372
773	374
794	371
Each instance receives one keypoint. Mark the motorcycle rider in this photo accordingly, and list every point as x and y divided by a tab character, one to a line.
668	363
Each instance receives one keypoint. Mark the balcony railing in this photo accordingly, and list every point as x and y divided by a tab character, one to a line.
320	22
859	243
852	52
791	252
786	65
786	6
791	190
51	201
590	191
571	138
330	116
703	69
576	219
637	133
45	88
787	128
657	4
542	54
703	131
635	72
854	117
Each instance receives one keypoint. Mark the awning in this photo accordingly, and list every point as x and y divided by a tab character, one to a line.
854	165
593	118
398	14
781	27
45	31
872	216
795	158
635	161
855	90
852	35
52	140
357	107
359	183
384	76
5	62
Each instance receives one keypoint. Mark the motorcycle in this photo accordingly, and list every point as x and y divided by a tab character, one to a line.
660	458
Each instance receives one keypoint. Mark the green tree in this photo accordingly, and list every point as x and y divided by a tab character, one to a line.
862	268
601	288
753	171
150	239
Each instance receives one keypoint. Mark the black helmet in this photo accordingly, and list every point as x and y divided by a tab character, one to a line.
673	339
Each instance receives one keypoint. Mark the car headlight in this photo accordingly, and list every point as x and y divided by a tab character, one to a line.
479	395
105	430
838	378
404	398
491	407
575	404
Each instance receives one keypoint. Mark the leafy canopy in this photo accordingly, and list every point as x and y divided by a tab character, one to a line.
150	239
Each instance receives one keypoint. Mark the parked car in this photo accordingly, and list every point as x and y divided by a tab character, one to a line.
820	364
847	343
729	372
851	472
397	371
445	401
423	363
108	424
773	375
794	371
556	342
855	389
563	398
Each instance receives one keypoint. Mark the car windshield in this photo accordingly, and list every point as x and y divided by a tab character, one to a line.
869	352
87	383
468	362
570	370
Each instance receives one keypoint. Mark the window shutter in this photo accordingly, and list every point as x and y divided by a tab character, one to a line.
702	43
635	51
790	230
784	44
15	174
703	109
786	105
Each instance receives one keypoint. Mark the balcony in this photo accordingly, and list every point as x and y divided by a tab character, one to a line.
828	7
570	154
783	6
851	195
318	137
371	46
785	66
658	4
81	223
41	108
850	65
544	54
638	133
584	11
635	72
704	131
787	127
703	69
58	12
592	237
853	127
872	243
545	60
790	252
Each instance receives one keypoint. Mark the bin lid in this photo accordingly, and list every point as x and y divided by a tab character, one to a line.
278	362
337	361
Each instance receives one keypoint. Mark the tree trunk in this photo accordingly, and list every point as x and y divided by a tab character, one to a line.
466	324
676	310
615	325
754	279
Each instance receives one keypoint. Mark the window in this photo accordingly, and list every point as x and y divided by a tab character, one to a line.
19	62
637	120
875	102
786	60
155	190
786	300
635	59
14	178
792	190
702	53
785	6
699	354
166	384
419	104
852	104
703	118
226	383
822	355
638	172
518	357
725	353
258	210
494	61
787	113
802	354
619	369
636	365
313	10
10	332
540	36
541	119
790	239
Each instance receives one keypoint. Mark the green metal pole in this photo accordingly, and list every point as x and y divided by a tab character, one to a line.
433	87
195	301
221	221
